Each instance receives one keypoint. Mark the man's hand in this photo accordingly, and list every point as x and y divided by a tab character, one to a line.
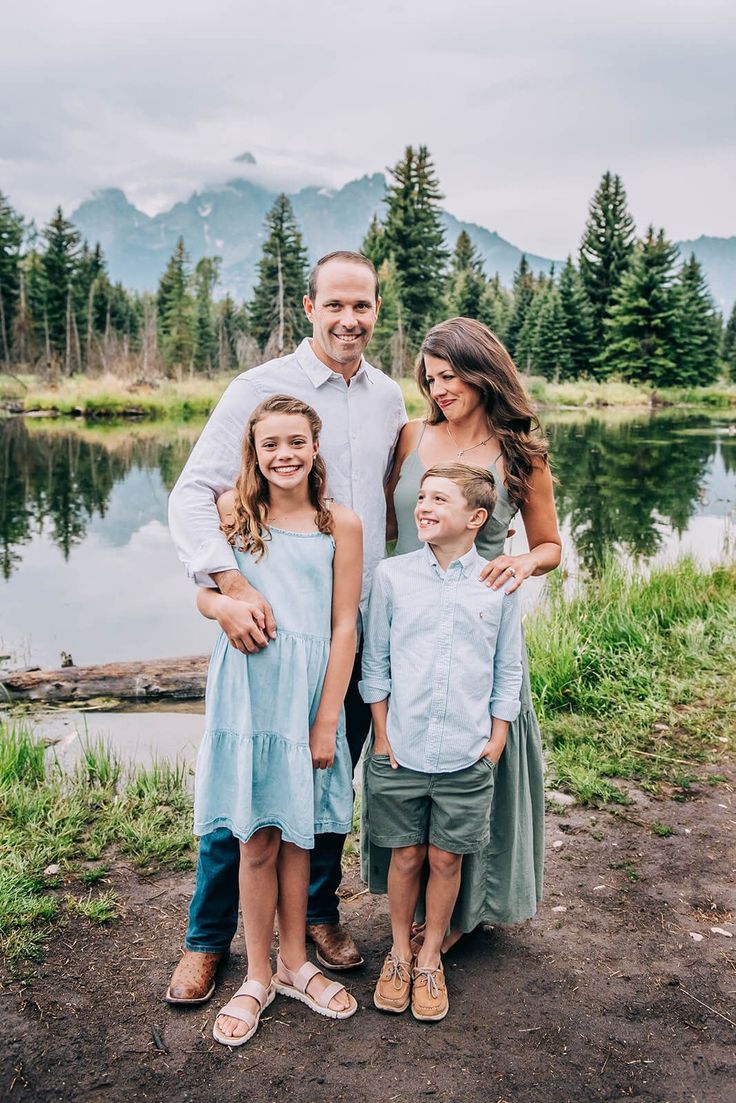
381	745
322	740
248	620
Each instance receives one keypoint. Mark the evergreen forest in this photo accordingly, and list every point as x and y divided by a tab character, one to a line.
626	306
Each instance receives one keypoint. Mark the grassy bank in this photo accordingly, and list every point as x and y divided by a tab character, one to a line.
634	679
634	683
59	834
590	394
111	396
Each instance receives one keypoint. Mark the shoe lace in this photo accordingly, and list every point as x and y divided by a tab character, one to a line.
431	978
397	971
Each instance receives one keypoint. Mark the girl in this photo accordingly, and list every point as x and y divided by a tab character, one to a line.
274	765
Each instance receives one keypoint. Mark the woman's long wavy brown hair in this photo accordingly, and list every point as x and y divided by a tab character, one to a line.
478	357
248	528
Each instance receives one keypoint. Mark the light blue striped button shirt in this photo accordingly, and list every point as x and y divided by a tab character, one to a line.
446	650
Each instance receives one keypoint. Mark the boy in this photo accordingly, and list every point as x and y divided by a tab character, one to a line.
442	674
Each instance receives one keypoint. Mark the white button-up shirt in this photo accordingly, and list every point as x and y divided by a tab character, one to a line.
360	426
446	650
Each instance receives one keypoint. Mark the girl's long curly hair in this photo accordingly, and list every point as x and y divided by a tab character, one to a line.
248	529
478	357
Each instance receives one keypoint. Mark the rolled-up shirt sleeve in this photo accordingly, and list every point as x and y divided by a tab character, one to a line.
376	682
211	469
505	702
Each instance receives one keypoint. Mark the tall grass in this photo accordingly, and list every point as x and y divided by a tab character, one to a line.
626	651
48	819
594	394
110	396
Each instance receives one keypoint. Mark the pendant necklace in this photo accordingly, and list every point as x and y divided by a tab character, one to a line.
471	447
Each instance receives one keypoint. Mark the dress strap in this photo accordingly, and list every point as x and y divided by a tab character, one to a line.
421	435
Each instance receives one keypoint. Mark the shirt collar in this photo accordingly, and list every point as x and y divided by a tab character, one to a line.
317	372
467	562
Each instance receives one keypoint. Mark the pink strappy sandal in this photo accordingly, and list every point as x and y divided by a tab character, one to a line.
296	983
257	991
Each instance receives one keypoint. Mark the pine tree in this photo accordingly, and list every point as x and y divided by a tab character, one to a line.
11	237
527	341
175	310
551	345
523	294
606	247
728	345
414	237
698	327
579	321
277	319
87	305
466	282
641	324
60	265
496	308
206	275
30	332
389	350
374	245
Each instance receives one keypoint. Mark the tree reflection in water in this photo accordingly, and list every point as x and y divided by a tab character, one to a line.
55	479
620	481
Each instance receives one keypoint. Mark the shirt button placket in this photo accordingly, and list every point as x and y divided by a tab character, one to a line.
441	671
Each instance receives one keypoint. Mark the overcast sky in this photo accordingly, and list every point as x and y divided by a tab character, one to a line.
523	105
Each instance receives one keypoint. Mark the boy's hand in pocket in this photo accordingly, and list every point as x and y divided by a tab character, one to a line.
381	745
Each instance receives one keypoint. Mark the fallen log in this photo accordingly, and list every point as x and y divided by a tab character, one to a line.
180	679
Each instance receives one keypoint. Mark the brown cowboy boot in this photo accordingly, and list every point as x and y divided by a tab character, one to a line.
193	980
335	946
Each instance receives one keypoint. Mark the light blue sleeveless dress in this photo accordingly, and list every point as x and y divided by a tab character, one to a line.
254	767
502	883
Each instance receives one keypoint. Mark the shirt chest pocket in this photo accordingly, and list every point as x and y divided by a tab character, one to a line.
479	618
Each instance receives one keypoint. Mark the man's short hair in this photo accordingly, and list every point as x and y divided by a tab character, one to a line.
344	255
477	485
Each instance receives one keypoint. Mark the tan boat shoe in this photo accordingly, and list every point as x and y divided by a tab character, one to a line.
393	987
335	946
193	980
429	1001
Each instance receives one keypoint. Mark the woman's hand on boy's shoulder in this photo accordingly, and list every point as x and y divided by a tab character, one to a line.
507	572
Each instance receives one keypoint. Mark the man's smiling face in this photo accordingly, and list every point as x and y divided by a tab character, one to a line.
343	313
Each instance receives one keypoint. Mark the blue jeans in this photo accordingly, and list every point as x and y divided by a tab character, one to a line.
213	911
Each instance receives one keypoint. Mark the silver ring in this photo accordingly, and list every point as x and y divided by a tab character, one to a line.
511	571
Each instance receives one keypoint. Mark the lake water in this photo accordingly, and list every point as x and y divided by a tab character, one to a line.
87	565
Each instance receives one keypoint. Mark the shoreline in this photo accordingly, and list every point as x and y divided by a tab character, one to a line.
110	397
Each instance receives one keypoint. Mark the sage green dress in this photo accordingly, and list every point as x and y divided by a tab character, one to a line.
503	882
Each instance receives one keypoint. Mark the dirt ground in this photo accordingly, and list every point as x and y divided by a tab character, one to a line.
605	995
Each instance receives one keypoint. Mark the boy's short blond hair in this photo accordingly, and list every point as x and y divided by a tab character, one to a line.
477	485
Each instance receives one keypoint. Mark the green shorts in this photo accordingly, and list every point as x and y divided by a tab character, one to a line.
449	811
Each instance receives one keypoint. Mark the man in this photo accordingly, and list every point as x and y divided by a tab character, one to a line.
362	413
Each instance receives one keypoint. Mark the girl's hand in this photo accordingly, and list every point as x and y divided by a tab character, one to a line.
511	569
322	740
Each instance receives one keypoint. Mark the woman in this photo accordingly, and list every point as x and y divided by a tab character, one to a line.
479	412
